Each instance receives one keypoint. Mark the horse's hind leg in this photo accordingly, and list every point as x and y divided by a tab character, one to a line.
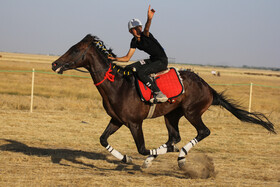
202	132
171	121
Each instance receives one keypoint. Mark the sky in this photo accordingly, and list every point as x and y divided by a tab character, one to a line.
208	32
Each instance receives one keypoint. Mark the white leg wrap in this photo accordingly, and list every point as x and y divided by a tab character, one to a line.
153	153
114	152
159	151
187	147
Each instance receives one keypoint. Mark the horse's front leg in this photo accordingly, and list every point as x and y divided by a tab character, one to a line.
112	127
137	133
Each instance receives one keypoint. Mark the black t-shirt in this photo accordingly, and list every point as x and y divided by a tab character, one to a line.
150	45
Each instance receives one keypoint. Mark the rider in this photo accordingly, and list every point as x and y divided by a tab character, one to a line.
145	41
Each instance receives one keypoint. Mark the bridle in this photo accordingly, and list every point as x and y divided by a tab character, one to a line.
81	57
101	47
108	75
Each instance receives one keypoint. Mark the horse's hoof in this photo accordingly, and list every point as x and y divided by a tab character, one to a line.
181	162
148	162
127	159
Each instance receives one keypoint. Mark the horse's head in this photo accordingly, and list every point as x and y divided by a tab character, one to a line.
75	57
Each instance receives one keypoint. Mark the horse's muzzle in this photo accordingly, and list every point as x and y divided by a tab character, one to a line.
57	67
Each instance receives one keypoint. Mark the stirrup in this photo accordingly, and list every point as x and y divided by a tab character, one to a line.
161	99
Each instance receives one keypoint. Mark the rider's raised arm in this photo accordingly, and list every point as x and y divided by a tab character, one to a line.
125	58
149	21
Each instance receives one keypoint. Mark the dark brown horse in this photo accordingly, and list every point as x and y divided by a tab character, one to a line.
122	102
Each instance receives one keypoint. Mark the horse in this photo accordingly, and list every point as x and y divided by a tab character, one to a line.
117	86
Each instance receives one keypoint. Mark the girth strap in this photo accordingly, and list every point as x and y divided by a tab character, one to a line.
151	111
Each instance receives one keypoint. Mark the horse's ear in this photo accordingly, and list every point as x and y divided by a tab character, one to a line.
87	38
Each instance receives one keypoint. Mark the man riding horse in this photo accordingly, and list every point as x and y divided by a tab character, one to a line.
121	99
158	61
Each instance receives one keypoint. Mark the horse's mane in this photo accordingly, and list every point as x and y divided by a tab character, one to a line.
99	44
101	47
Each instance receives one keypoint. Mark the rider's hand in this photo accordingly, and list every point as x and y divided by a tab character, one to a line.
112	58
151	12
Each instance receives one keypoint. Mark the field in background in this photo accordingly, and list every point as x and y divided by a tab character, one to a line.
58	144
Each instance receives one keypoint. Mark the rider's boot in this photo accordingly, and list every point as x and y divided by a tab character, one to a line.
158	95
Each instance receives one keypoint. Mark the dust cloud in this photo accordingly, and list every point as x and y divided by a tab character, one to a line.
199	166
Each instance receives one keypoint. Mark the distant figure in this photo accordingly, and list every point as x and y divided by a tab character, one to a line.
213	72
0	56
218	74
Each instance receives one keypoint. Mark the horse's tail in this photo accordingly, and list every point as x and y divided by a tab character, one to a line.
251	117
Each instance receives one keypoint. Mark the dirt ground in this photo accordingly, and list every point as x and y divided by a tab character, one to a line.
62	149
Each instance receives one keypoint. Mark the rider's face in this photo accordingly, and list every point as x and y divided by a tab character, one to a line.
136	31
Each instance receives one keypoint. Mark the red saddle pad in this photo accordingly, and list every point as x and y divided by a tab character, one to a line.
169	83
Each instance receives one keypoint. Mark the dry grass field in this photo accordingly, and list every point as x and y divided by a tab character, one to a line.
58	144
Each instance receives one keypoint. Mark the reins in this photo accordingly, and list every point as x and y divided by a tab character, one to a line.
81	70
108	75
102	48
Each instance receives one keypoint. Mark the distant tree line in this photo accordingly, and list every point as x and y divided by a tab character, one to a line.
265	68
224	66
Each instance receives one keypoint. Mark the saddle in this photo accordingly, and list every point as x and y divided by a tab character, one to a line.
169	82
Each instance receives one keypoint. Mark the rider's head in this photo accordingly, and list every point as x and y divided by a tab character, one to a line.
135	27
